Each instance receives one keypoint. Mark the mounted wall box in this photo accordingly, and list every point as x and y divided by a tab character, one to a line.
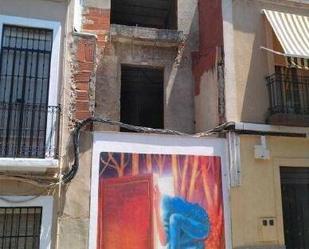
267	229
261	151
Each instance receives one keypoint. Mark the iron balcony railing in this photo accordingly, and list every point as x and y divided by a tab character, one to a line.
28	130
288	95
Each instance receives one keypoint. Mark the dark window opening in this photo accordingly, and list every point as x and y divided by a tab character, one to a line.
142	96
20	227
161	14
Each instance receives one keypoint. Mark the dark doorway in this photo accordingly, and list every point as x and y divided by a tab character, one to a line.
295	201
142	96
161	14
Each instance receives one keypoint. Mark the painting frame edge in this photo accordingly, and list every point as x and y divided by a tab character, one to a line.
153	144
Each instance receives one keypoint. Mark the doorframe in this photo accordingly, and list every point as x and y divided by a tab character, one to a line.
157	144
283	162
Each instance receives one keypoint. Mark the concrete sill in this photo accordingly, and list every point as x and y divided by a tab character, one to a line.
27	164
146	36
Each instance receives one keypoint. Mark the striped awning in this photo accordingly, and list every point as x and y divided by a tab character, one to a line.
292	32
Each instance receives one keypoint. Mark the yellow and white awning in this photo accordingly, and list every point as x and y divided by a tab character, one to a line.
292	32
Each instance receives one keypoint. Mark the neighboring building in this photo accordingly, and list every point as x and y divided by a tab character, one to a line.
186	65
32	86
264	48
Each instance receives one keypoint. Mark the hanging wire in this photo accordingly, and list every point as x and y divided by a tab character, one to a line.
49	183
76	137
67	177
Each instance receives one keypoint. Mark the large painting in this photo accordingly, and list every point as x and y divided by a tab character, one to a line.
156	201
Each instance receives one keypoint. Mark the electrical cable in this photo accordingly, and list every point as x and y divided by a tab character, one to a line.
52	182
225	126
71	173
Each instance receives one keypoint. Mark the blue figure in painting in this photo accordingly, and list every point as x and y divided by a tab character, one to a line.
181	224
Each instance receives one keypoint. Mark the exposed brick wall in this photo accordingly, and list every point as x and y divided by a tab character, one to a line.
84	73
97	21
211	39
87	50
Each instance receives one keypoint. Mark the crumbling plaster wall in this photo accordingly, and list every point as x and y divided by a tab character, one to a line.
177	105
79	77
73	210
187	16
207	63
178	79
85	50
206	102
73	207
104	75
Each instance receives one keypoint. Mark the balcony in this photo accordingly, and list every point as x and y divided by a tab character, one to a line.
146	36
289	99
28	131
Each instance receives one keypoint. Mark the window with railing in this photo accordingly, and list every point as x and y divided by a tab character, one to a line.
288	90
27	123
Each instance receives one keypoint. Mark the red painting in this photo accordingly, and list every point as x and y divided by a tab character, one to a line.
151	201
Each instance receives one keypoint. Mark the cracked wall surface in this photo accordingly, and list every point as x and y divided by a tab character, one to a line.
178	105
